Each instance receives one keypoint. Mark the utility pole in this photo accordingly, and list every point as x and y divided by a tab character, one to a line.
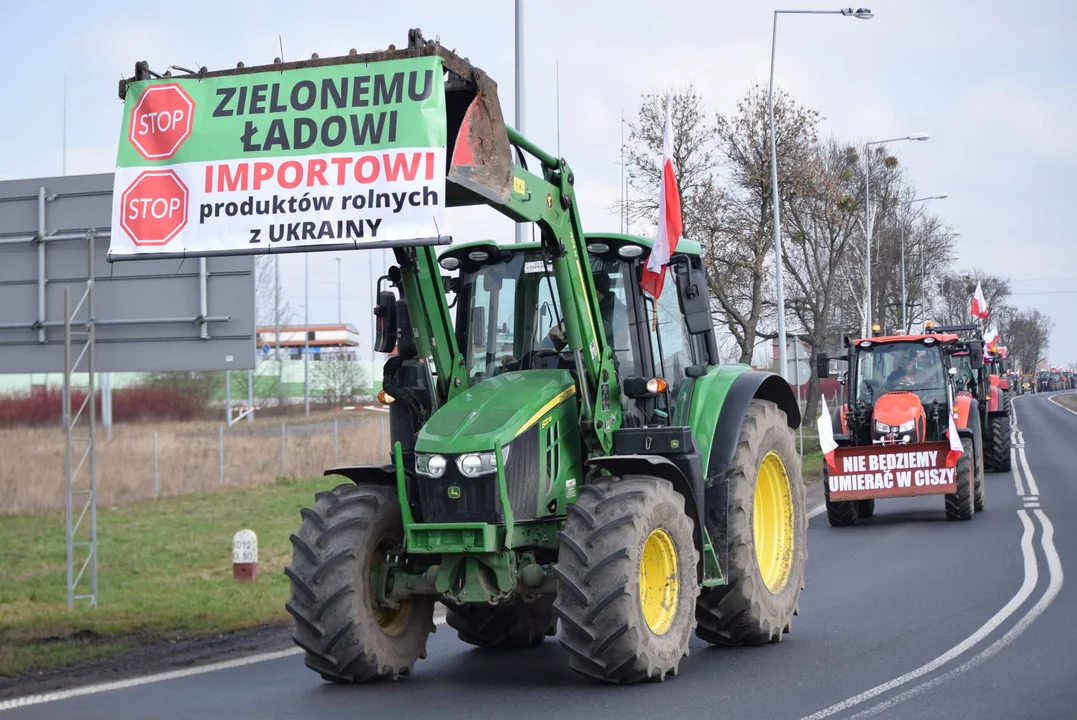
276	336
306	333
521	229
340	306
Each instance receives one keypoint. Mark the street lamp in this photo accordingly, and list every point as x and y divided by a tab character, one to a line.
920	137
904	304
861	14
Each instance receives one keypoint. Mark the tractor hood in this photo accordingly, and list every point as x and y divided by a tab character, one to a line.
495	410
897	407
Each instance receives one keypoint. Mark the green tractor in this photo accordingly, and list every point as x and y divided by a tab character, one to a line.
564	448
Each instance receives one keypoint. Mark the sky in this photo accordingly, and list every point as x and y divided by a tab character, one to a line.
992	83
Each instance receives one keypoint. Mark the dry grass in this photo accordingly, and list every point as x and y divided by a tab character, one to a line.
32	460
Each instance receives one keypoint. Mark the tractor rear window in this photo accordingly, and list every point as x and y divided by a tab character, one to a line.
900	366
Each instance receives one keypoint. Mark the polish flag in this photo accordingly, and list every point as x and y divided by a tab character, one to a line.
956	450
979	303
669	216
826	434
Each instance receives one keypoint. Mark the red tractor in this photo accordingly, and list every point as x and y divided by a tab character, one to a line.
903	429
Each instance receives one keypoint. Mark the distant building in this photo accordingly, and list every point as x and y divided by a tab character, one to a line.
337	339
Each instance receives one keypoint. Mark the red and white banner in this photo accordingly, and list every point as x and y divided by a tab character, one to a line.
669	216
882	471
979	303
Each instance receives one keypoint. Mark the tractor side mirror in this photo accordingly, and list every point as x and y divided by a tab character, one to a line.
822	366
385	323
976	356
693	296
405	337
478	327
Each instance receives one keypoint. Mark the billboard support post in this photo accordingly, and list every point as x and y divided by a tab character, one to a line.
88	512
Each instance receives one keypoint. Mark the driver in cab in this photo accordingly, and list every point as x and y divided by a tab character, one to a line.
906	373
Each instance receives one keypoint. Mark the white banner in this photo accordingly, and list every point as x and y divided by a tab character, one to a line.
258	206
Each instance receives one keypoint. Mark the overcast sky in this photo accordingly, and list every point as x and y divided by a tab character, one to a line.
992	82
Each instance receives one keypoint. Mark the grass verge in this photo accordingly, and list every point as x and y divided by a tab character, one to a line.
1069	399
165	573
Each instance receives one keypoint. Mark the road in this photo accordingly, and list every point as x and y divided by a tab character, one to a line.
905	615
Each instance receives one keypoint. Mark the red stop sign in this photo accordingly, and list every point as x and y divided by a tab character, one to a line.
161	121
153	209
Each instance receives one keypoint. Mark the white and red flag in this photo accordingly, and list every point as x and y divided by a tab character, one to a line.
826	433
956	450
979	303
669	216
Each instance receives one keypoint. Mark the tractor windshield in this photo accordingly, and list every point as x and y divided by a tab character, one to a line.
900	366
508	317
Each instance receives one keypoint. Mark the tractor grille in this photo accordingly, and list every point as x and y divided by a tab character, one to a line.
521	475
477	501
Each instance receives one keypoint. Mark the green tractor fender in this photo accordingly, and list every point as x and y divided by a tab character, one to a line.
732	389
686	476
366	474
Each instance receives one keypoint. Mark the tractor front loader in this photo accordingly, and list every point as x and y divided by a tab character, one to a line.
565	449
893	428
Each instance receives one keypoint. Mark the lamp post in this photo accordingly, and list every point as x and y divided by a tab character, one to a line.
306	333
862	14
920	137
904	303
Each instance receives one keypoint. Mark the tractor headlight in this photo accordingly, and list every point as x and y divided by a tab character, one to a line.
484	463
907	426
430	465
882	428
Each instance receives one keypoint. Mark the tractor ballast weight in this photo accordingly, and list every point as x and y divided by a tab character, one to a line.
558	457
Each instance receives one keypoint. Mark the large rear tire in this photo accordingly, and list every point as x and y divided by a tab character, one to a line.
627	580
766	529
999	450
959	505
348	636
504	627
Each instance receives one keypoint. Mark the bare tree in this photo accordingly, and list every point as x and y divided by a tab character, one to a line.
821	224
954	291
340	375
1027	336
723	171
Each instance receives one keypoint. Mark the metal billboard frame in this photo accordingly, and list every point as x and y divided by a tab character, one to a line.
31	344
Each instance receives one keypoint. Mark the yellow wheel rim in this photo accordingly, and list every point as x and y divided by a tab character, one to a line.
659	584
772	522
392	621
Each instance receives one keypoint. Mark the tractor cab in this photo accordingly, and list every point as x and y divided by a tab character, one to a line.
898	388
508	318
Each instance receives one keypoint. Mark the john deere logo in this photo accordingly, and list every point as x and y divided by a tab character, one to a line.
454	492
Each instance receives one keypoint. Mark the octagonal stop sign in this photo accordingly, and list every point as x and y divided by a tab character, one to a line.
160	121
153	209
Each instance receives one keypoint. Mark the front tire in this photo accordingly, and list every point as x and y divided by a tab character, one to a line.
865	508
627	580
959	505
348	636
766	528
999	451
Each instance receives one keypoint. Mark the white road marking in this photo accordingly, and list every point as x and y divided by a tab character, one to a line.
1028	554
1016	475
149	679
1033	489
817	510
1054	567
1058	404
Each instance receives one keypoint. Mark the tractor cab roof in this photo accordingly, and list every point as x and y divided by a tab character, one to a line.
597	243
942	339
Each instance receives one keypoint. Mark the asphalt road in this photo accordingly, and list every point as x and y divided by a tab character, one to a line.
905	615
